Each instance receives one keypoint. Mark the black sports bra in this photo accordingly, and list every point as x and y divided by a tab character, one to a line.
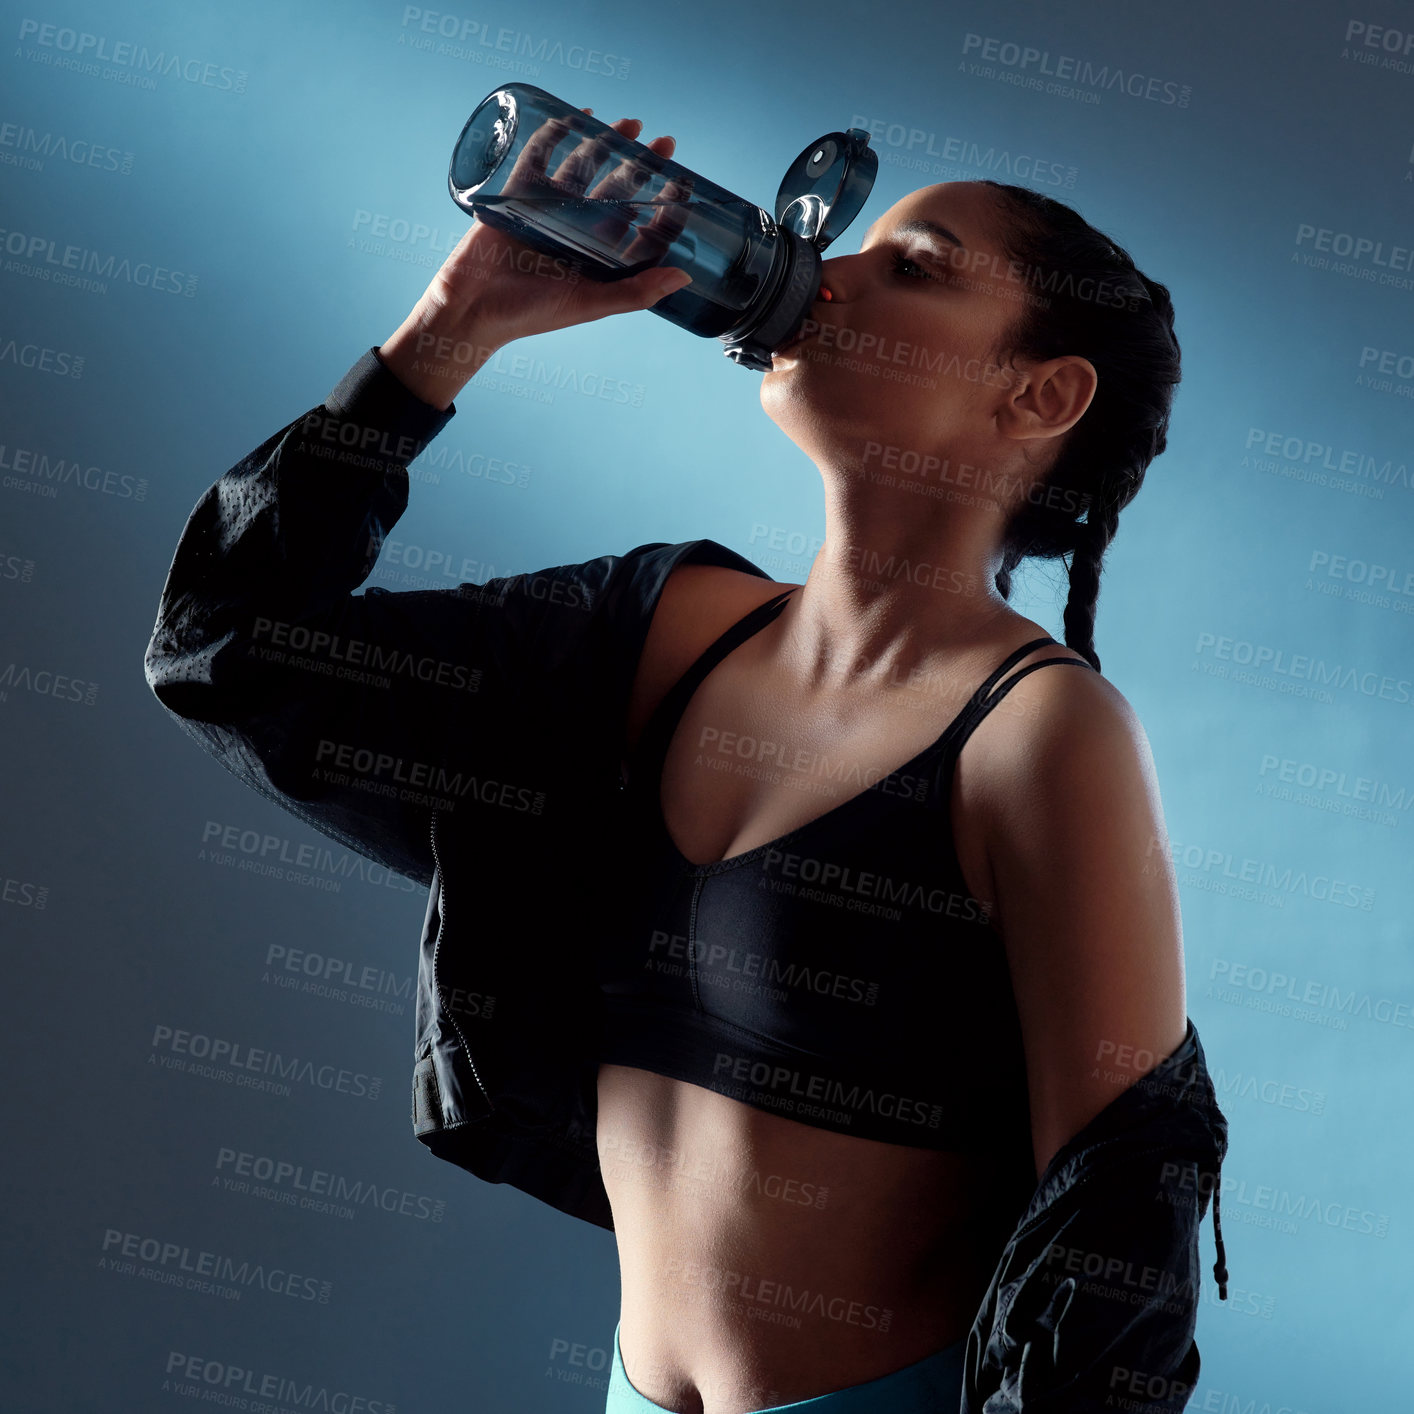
840	975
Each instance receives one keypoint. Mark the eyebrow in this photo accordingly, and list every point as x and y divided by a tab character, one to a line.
921	226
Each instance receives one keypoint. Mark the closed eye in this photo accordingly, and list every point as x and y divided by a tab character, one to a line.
903	266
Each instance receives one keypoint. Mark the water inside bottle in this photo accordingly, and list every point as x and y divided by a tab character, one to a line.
588	206
723	282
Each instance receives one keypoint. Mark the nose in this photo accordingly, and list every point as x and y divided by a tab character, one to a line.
837	274
831	285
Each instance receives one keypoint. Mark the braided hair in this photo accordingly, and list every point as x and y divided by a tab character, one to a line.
1091	301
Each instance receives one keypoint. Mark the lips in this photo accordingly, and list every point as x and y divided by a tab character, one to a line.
800	335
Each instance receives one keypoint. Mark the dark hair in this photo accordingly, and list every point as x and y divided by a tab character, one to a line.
1084	296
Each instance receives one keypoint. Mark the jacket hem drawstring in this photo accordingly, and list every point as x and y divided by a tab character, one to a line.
1220	1266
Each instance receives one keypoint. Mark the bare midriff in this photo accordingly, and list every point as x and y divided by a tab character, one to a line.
763	1260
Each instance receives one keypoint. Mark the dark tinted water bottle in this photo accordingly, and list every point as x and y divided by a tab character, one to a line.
570	186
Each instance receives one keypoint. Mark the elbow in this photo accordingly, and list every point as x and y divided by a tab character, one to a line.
180	678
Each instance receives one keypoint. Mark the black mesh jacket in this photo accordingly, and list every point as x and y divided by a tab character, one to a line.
470	738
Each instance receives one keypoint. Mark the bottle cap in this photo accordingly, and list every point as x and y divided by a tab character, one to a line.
826	186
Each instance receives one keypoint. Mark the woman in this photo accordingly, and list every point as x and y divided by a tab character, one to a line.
928	965
1056	812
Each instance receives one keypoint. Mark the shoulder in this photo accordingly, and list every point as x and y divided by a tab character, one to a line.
1064	795
1065	768
1056	719
697	604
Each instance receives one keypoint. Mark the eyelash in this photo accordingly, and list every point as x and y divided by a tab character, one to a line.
899	261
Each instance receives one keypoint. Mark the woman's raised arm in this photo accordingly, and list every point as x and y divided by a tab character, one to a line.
362	713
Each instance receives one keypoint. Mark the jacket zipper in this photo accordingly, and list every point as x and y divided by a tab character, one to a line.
436	950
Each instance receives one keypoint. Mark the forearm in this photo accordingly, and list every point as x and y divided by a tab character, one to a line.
286	534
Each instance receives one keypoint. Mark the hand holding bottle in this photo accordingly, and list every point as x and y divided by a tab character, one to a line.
493	288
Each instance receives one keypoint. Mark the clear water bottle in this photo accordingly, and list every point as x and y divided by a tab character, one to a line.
570	186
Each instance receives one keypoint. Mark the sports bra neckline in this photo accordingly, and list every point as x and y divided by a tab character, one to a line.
651	749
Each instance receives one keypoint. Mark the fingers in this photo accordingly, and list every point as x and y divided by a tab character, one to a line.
631	173
535	155
580	164
670	210
640	291
538	147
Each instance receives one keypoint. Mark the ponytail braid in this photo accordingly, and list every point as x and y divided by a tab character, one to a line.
1125	329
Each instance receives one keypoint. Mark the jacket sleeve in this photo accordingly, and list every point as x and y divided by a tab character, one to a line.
1096	1302
357	713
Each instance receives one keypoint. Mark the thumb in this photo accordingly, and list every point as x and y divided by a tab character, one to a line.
649	286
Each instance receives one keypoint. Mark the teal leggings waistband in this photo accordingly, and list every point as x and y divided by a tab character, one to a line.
928	1386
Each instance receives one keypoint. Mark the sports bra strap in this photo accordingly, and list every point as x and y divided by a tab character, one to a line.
657	732
1010	661
984	699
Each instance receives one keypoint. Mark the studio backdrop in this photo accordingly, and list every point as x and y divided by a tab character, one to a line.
211	211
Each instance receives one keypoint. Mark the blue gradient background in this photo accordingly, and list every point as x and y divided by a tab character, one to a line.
257	195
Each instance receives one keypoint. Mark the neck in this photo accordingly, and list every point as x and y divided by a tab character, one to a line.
900	579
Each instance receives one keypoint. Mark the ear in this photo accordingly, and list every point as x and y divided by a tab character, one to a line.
1049	399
